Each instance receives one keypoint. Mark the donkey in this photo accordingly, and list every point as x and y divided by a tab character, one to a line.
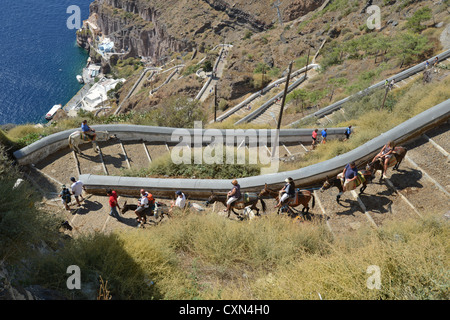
364	177
302	197
77	138
395	161
247	199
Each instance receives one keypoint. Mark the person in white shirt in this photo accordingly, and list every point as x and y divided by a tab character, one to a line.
181	199
179	202
77	190
142	205
143	202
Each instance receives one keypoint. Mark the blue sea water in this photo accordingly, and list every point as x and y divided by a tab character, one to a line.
39	58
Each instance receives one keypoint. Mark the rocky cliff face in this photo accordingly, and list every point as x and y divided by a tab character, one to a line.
299	8
136	26
261	14
158	28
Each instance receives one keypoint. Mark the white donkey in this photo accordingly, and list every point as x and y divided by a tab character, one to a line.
77	138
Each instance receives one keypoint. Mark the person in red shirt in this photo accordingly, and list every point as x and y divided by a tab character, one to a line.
113	204
314	138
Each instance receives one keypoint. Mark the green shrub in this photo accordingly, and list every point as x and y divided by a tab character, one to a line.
207	66
261	67
190	70
22	225
178	112
223	104
415	22
166	166
248	35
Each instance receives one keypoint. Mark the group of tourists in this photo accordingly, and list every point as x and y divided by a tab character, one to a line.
324	134
350	176
146	200
76	190
349	181
389	85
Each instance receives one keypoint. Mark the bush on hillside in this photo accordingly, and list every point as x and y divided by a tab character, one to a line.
22	225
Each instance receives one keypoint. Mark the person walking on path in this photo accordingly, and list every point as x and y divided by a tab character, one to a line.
391	85
113	204
435	63
65	197
348	132
324	136
77	190
314	138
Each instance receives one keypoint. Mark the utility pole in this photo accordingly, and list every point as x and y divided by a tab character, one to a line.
263	78
385	95
277	134
284	95
215	102
307	63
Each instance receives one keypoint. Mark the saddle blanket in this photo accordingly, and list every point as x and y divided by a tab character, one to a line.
352	184
85	137
245	198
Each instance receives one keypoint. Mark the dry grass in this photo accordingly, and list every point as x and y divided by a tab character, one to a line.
204	256
229	123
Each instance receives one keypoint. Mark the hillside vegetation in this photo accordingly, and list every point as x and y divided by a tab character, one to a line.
202	255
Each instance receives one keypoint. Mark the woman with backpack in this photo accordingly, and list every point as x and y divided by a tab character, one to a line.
348	132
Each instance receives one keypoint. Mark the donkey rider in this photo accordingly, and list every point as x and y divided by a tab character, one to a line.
233	195
348	176
287	192
88	131
385	155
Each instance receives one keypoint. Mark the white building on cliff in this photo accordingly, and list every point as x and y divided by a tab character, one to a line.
98	94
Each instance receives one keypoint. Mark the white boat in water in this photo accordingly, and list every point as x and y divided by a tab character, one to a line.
80	79
53	110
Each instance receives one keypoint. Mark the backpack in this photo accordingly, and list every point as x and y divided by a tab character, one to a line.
66	195
150	198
